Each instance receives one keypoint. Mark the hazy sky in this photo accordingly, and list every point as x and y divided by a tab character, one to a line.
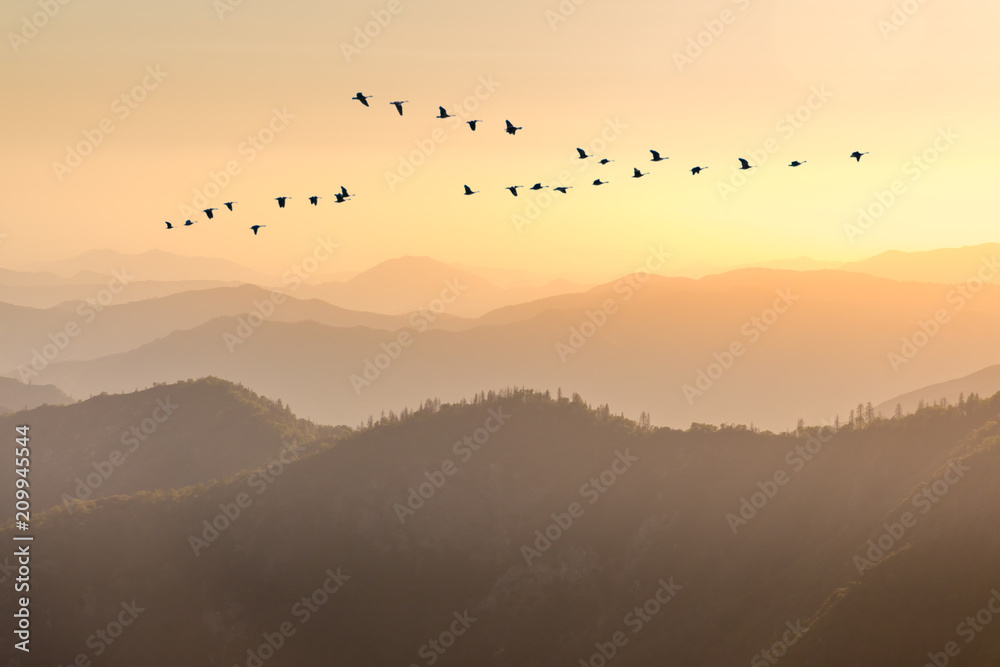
927	86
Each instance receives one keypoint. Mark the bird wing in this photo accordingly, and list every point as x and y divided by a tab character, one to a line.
443	112
581	152
656	154
744	163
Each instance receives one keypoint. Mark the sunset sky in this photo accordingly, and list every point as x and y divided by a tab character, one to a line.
928	85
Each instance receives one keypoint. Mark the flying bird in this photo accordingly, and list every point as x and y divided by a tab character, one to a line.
444	114
399	106
188	223
360	97
537	186
314	200
697	170
744	164
857	155
656	156
638	174
796	163
281	201
511	129
256	227
169	226
344	193
229	204
470	191
208	212
605	161
562	188
513	189
340	198
472	124
598	182
583	153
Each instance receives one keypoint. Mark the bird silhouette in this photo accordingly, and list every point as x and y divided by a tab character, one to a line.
537	186
255	228
169	226
656	156
399	106
697	170
470	191
281	201
360	97
344	193
340	198
638	174
857	155
562	188
513	189
444	114
188	223
229	204
208	212
605	161
744	164
472	124
583	153
796	163
314	200
599	182
511	129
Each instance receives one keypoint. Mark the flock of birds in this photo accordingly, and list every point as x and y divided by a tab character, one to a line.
339	197
510	129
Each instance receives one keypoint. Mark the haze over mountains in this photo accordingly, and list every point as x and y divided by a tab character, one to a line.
548	537
665	349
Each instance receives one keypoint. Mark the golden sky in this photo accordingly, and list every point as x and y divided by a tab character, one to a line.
861	75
